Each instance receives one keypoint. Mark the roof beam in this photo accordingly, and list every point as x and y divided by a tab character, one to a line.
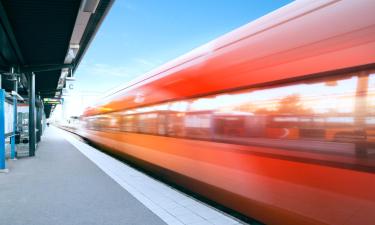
43	68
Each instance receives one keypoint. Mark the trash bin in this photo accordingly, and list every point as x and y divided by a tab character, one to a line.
18	137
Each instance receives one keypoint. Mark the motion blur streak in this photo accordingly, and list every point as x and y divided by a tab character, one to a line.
275	120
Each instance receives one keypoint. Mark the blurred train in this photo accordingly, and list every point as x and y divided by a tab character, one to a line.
275	120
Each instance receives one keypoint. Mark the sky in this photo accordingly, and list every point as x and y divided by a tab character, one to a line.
140	35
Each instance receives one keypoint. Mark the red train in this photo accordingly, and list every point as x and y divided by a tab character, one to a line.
275	120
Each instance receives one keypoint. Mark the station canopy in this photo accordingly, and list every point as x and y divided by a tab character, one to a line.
47	38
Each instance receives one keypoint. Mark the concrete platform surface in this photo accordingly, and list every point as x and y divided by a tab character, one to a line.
62	186
171	205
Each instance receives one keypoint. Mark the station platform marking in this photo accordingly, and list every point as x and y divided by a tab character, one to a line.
171	205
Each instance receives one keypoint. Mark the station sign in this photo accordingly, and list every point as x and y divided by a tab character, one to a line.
69	88
52	101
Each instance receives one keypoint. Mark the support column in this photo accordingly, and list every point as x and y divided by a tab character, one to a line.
38	121
13	139
2	131
31	114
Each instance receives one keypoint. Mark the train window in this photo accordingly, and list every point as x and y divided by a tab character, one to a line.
303	116
108	122
230	124
94	122
147	123
176	118
198	124
113	122
198	118
89	122
371	97
370	117
148	120
102	122
129	123
162	123
334	115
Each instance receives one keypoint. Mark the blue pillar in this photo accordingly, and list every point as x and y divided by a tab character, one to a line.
32	114
13	139
2	130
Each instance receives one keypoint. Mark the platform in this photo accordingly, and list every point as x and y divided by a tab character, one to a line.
70	182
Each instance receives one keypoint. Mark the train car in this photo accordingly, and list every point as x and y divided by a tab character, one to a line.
275	120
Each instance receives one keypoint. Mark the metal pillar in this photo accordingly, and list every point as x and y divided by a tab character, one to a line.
31	114
13	138
2	131
38	121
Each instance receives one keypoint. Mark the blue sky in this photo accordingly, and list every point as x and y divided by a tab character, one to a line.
139	35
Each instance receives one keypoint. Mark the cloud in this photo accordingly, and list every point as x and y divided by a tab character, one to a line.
106	70
144	62
126	71
147	63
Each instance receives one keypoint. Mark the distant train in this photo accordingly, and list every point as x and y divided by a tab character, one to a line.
275	120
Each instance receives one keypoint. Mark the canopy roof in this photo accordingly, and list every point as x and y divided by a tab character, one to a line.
48	38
